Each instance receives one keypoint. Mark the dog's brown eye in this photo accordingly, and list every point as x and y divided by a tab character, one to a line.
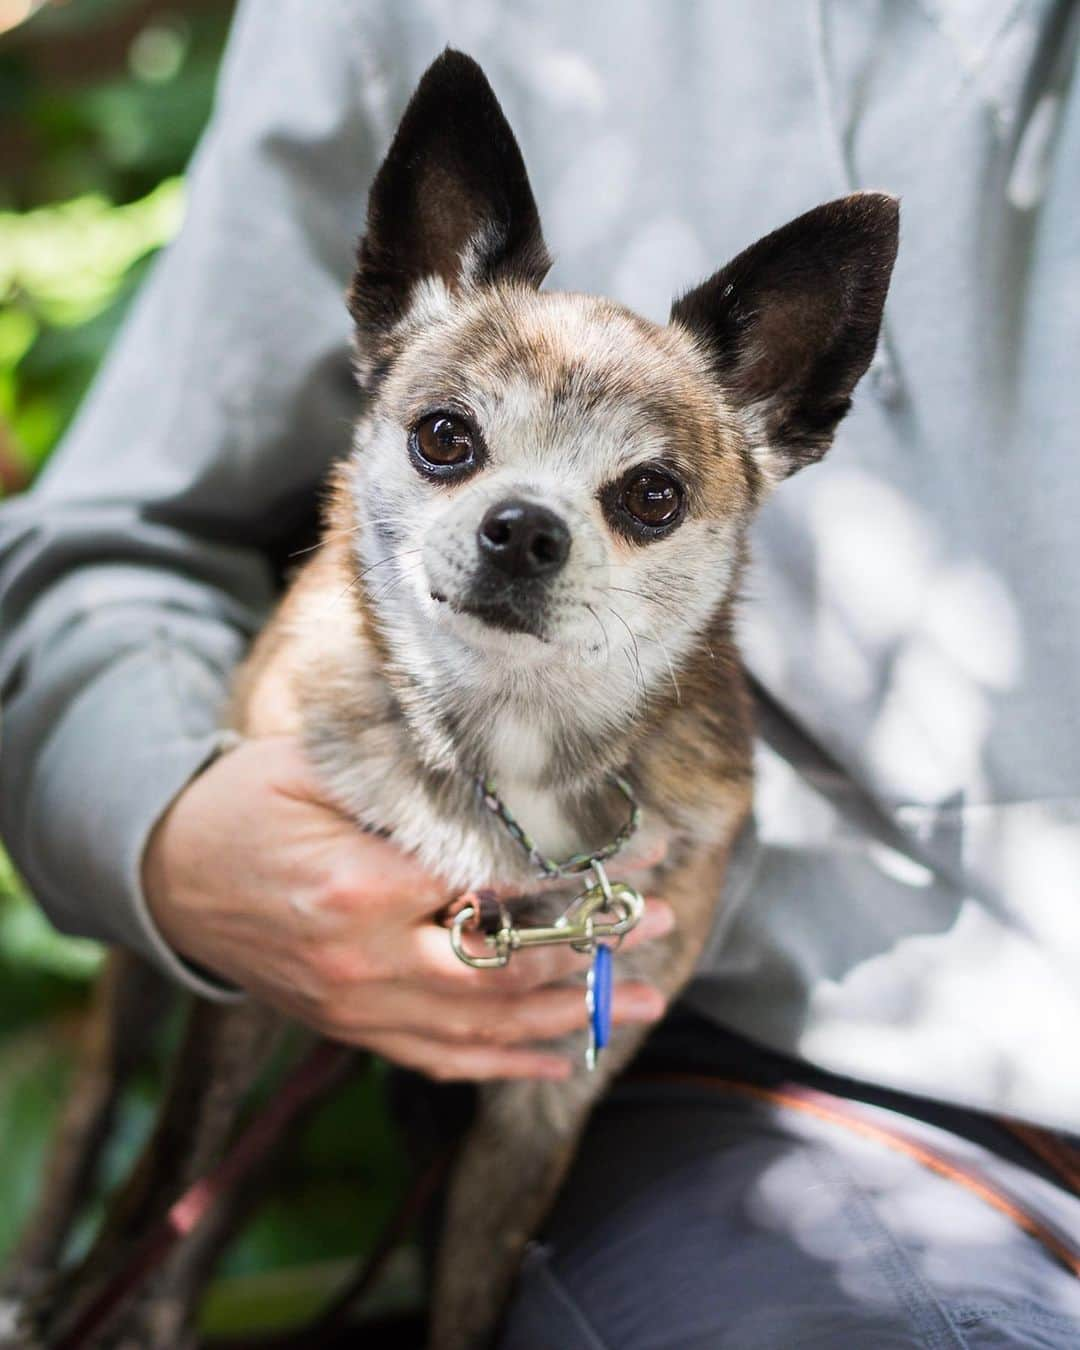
444	441
652	498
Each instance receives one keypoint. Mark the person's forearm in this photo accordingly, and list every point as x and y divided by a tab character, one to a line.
136	571
255	874
107	718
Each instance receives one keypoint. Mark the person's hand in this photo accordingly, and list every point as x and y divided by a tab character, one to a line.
254	875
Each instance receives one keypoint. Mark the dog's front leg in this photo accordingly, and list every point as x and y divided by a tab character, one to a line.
512	1163
517	1153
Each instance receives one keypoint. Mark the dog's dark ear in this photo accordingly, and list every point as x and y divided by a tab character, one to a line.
791	324
451	200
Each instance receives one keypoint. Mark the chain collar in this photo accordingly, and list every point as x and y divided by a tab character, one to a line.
577	862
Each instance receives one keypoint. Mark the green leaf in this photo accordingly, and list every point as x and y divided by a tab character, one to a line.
29	942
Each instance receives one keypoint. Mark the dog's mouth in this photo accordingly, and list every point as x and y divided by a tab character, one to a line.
495	611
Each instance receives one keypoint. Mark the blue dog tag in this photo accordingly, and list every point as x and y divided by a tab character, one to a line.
598	998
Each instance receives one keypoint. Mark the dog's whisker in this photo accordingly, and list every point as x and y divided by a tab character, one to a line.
393	557
409	570
635	671
603	630
401	517
387	591
333	534
390	589
645	637
640	595
636	653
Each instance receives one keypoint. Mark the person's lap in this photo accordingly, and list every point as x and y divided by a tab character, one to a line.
693	1219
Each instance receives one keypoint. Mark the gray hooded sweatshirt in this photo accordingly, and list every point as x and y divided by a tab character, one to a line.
907	908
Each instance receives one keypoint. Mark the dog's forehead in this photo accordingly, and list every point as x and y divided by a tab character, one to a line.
573	346
573	356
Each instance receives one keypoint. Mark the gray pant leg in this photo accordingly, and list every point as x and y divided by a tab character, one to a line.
693	1222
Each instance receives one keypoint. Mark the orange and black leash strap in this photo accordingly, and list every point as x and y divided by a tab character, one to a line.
327	1064
1061	1157
321	1070
878	1125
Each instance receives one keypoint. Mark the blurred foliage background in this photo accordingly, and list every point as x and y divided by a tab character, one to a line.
101	105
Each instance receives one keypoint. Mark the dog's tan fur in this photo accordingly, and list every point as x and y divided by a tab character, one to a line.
687	750
403	693
691	759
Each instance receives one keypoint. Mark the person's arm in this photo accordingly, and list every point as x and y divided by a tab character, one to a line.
133	575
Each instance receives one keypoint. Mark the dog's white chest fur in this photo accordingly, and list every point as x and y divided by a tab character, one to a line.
518	755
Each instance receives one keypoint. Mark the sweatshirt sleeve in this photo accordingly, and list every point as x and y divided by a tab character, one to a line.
135	573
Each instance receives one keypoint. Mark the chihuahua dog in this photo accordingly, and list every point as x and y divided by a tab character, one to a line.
539	536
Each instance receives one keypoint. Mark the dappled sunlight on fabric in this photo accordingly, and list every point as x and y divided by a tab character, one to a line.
567	78
970	616
876	554
840	652
928	736
956	1221
781	796
1033	849
901	1193
810	817
976	1038
558	76
601	175
814	1218
898	866
661	256
945	630
472	24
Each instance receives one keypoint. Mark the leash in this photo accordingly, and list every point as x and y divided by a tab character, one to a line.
1062	1159
580	926
416	1201
328	1063
584	925
316	1074
875	1123
577	863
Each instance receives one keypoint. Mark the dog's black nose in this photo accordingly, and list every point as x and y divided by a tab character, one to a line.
523	539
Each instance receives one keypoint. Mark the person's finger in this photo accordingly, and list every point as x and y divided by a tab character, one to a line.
399	875
487	1018
430	957
657	922
470	1063
369	880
